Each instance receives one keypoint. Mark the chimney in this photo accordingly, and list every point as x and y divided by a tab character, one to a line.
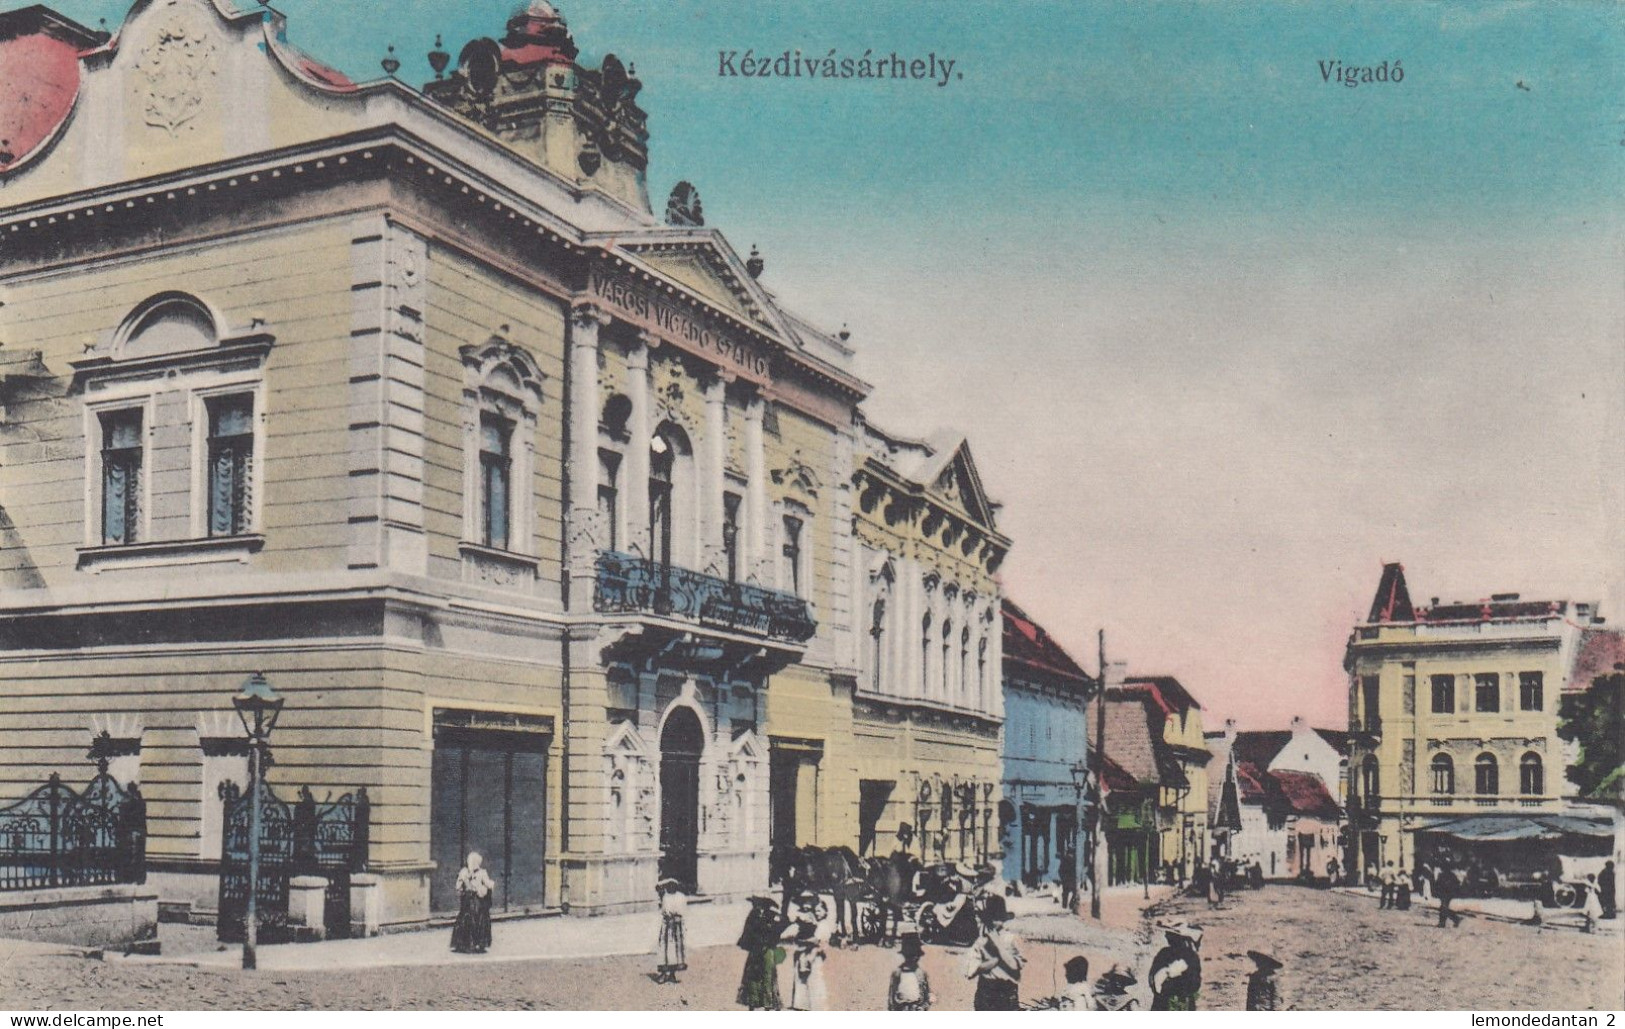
1116	673
1297	724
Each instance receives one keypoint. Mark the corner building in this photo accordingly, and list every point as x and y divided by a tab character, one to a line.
537	508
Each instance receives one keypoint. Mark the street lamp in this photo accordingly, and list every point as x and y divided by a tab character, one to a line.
1080	781
258	705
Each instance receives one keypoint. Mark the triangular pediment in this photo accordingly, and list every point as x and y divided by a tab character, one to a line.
626	740
701	261
958	484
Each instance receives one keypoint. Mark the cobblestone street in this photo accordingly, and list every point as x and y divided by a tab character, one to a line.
1340	952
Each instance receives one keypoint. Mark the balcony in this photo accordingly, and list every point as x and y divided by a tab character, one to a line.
635	585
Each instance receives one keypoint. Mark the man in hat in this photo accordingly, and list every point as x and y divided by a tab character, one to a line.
1176	971
995	961
1262	993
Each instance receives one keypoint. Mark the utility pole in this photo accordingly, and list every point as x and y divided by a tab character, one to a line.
1097	842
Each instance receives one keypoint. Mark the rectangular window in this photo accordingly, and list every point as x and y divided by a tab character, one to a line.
609	497
1370	687
231	462
121	476
1408	686
730	533
792	552
1531	691
1487	691
1444	694
496	466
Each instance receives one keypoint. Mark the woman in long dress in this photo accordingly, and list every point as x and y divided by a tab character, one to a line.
807	991
764	928
472	932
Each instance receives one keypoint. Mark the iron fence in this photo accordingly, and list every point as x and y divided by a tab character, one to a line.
58	837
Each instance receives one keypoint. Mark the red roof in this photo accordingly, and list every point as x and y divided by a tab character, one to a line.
1168	692
1600	650
1027	644
1306	794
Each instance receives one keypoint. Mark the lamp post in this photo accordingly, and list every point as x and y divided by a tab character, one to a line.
258	705
1097	873
1080	782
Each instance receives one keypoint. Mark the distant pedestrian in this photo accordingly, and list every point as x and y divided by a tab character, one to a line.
471	933
764	929
1592	906
1255	876
673	946
995	961
1215	884
1069	879
1371	876
1331	871
1262	992
1386	900
1608	888
1176	971
807	992
1402	889
910	989
1446	886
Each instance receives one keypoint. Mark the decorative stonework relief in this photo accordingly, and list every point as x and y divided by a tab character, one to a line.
174	70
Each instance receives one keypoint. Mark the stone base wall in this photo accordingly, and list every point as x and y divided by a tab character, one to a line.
81	916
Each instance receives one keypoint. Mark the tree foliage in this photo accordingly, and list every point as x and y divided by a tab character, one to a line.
1596	719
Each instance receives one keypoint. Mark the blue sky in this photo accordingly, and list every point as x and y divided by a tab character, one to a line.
1224	336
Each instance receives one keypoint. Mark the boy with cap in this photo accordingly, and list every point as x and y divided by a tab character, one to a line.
910	989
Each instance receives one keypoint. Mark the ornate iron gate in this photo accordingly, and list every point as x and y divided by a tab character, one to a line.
56	837
327	839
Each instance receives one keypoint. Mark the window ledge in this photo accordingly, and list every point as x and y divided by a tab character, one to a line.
493	567
166	553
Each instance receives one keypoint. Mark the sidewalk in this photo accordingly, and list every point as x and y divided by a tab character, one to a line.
1503	909
529	939
561	936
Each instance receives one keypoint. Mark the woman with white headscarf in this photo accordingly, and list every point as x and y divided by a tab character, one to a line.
472	932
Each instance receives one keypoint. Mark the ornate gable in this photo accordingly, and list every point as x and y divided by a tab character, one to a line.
957	482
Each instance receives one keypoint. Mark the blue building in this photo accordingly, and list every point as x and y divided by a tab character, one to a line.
1046	734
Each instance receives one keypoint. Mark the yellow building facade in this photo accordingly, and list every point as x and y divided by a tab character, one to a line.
560	535
1453	712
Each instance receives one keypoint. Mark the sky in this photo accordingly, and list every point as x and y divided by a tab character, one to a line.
1225	335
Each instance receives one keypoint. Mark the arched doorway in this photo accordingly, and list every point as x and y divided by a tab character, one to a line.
681	743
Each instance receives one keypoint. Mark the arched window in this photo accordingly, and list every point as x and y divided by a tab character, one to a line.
877	632
1531	775
964	660
662	456
925	655
1486	776
502	387
947	660
1370	781
1444	774
981	673
671	496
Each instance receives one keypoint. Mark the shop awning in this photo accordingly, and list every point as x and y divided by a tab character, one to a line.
1501	828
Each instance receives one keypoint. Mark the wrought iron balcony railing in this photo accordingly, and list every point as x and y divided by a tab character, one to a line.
628	584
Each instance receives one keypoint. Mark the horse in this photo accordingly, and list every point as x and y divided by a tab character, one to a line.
827	870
